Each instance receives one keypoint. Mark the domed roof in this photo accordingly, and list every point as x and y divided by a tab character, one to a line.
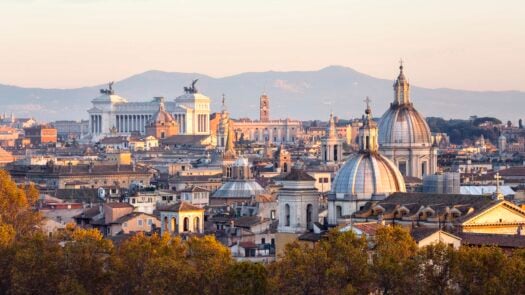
161	116
368	173
401	123
239	189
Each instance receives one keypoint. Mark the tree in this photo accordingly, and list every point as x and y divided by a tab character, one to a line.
247	278
436	263
86	254
36	266
349	270
301	270
480	270
394	265
17	206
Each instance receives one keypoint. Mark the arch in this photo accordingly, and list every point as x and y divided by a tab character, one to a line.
287	215
196	224
285	167
186	224
166	224
338	211
173	224
309	216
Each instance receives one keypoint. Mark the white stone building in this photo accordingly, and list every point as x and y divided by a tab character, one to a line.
112	114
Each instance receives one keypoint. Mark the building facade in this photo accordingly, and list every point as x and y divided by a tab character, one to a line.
266	130
112	114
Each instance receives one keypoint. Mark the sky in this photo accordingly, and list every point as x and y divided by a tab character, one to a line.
472	45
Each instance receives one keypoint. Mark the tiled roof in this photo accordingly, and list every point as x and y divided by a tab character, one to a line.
119	205
505	241
298	175
369	228
179	207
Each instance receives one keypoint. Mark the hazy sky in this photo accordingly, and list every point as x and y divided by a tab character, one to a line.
476	45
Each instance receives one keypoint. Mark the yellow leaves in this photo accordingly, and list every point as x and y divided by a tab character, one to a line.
7	235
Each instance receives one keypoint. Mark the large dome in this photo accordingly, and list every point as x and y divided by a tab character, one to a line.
368	174
402	124
239	189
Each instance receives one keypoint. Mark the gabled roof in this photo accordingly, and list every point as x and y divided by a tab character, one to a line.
421	233
180	207
505	241
298	175
489	207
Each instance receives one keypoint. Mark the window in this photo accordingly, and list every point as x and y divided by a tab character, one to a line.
339	211
287	215
309	217
263	241
402	167
125	224
272	214
150	221
186	224
139	222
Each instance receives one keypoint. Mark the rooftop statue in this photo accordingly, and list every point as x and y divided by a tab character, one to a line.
192	88
110	90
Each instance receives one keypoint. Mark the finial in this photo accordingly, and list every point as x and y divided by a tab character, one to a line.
367	101
401	64
223	99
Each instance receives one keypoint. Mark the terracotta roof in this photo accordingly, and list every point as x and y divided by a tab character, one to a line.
505	241
89	213
247	244
179	207
248	221
419	233
118	205
298	175
369	228
132	215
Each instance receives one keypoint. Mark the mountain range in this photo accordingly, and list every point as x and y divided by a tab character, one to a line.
301	95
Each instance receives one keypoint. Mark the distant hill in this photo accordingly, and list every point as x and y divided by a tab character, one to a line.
299	94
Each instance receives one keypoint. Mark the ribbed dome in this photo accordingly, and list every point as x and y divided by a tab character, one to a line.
239	189
402	124
368	174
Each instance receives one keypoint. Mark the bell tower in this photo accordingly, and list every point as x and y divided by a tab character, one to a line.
264	108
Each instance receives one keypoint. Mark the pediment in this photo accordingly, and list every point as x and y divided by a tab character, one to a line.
501	213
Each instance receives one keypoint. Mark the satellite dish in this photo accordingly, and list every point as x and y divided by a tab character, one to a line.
101	193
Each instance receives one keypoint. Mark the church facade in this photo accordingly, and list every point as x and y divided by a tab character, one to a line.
113	115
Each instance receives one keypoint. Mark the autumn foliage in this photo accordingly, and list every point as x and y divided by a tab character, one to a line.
80	261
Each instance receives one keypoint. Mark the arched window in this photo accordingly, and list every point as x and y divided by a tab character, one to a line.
339	211
196	224
424	168
287	215
186	224
309	216
285	167
166	224
174	224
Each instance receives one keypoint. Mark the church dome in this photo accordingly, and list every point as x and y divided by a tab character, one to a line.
239	189
402	124
368	173
162	116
